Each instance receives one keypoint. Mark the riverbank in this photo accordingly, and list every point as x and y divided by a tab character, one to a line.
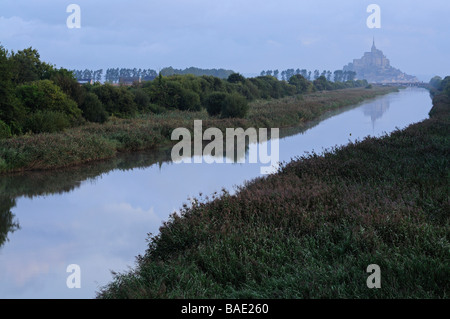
311	230
93	142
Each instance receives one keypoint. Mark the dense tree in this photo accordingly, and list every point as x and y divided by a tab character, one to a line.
275	73
27	66
321	83
220	73
235	105
214	103
236	78
93	109
350	75
338	76
316	74
67	82
304	73
11	112
302	85
118	101
435	82
142	99
45	95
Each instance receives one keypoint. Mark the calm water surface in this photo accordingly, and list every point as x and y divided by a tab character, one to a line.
98	216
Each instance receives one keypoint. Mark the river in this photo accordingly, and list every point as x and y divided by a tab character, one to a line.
98	216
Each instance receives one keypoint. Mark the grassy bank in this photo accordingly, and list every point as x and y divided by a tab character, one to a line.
311	230
96	141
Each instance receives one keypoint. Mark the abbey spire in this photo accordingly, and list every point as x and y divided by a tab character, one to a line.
376	68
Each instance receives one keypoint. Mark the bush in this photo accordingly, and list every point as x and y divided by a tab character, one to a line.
93	109
47	122
214	103
5	131
141	99
235	105
116	100
44	95
235	78
155	108
301	84
189	100
165	93
322	84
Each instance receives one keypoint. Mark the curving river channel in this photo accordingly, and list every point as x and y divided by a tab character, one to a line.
98	216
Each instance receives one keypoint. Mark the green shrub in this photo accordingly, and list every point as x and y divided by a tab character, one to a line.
5	131
155	108
214	103
189	100
45	95
116	100
235	78
47	122
142	100
301	84
235	105
93	109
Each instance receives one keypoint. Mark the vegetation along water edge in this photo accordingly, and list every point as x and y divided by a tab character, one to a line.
48	120
312	229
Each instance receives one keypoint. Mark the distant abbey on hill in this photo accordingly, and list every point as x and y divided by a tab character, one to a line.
376	68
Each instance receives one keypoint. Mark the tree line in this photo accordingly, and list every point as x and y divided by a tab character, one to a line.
336	76
37	97
113	75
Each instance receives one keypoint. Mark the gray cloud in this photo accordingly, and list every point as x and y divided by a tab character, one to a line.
246	36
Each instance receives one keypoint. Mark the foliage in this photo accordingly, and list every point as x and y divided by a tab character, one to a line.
236	78
219	73
11	111
118	101
301	83
47	121
142	99
93	109
147	131
435	82
311	230
5	131
45	95
27	66
214	103
68	84
234	105
441	98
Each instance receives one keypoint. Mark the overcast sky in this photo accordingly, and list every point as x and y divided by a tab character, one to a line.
243	35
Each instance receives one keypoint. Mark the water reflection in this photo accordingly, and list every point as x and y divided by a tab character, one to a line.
376	109
8	223
98	215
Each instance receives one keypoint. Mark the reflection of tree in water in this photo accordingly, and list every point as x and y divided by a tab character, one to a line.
39	183
376	109
7	223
